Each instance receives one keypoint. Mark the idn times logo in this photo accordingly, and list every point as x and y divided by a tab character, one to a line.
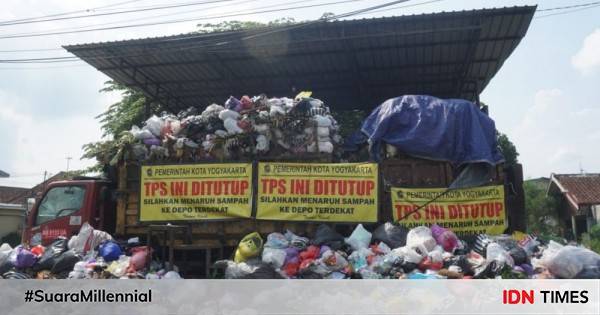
514	296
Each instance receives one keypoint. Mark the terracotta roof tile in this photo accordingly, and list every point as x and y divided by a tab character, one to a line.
584	188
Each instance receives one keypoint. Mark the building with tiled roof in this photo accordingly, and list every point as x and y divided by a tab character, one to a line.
579	199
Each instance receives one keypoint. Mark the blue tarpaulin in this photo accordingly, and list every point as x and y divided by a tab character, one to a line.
423	126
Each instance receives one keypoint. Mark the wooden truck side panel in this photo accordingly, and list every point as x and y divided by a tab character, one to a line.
400	172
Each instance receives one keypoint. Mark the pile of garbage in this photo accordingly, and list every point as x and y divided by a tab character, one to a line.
91	254
239	129
392	252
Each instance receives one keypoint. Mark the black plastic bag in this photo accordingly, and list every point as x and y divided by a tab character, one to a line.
264	271
392	235
519	255
460	261
65	262
13	274
325	235
48	258
589	272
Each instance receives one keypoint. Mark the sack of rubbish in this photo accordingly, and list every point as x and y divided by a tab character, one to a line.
109	251
359	239
249	247
277	240
274	256
140	256
393	235
296	241
87	239
65	262
22	258
325	235
421	238
5	251
51	253
118	267
569	261
445	238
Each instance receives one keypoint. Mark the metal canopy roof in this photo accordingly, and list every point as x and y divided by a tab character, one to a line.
351	64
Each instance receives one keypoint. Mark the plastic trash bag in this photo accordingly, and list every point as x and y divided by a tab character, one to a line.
393	235
65	262
495	252
334	260
87	239
249	247
421	238
263	271
118	268
154	125
296	241
53	251
17	275
409	255
325	235
277	240
569	261
311	252
140	134
5	251
274	256
292	255
22	258
140	256
519	255
358	259
109	251
359	239
38	250
172	275
481	243
445	238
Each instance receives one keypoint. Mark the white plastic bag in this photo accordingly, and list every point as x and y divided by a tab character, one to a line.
421	238
140	134
568	261
408	254
87	239
154	125
274	256
5	251
360	238
495	252
78	242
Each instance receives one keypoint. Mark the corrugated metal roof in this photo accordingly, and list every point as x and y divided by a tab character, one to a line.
350	64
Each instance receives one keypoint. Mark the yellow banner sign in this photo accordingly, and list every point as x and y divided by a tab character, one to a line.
464	211
333	192
195	192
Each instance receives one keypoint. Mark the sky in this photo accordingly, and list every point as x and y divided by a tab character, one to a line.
546	97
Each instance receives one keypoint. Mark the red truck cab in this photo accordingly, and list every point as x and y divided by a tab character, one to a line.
65	205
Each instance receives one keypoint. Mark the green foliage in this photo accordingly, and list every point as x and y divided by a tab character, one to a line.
541	210
349	120
236	25
591	239
118	118
508	149
125	113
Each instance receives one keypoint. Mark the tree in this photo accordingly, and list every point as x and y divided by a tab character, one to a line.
129	111
508	149
119	117
541	210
